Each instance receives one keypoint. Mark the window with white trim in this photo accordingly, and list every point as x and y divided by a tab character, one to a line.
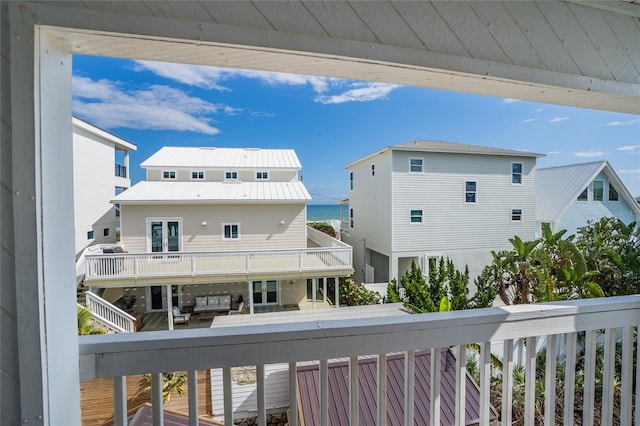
598	190
197	175
416	216
373	170
105	232
351	181
516	215
89	235
415	165
230	231
470	191
168	174
262	175
516	173
613	194
231	175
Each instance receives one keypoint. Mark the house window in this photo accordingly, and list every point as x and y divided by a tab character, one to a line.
197	175
598	190
231	175
105	232
351	181
373	170
168	174
583	195
415	165
351	217
262	175
90	235
416	216
117	209
230	231
516	173
470	191
516	215
613	194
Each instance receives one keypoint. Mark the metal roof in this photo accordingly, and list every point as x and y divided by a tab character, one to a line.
558	187
150	192
449	147
223	158
308	385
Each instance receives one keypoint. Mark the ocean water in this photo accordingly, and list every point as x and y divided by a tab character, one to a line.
324	212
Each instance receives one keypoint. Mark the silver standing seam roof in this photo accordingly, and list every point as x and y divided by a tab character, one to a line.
451	148
155	192
557	188
173	157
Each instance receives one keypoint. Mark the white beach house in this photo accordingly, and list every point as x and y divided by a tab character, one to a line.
100	171
567	197
427	199
223	224
560	52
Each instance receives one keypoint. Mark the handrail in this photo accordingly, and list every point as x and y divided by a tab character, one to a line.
550	325
109	314
134	265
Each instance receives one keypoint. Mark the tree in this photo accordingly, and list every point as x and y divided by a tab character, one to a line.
447	289
352	293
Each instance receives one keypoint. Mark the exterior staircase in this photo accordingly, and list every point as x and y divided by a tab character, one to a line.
110	316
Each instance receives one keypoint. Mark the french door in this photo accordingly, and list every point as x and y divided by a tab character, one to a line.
265	292
164	235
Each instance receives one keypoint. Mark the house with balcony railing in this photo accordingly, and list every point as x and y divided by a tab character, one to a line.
218	226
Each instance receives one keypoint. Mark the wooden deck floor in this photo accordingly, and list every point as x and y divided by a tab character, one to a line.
96	398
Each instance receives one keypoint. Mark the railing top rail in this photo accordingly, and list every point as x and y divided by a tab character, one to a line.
221	252
104	356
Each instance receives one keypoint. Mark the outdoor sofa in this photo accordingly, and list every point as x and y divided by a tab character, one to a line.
210	304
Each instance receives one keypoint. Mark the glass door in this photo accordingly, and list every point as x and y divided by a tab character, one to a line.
164	235
265	292
257	292
173	236
157	297
156	237
271	290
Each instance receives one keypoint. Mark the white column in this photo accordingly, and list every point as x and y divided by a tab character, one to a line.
120	401
250	289
393	267
293	394
324	289
192	394
314	290
157	403
127	173
336	288
169	307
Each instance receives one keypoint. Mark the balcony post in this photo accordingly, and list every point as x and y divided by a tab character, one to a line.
530	381
250	290
324	392
262	407
157	408
507	381
436	356
314	290
409	387
382	390
126	164
336	290
192	391
227	395
293	394
169	306
353	391
461	386
324	289
120	401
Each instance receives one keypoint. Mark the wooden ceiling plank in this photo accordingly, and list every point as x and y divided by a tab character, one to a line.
187	10
340	20
240	13
475	36
627	33
508	34
296	20
428	25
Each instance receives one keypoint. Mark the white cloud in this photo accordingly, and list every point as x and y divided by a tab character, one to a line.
105	104
363	92
629	148
539	110
507	101
212	78
622	123
529	120
629	172
554	152
558	119
589	154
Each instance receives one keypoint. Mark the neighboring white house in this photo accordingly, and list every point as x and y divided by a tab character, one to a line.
100	171
228	222
427	199
569	196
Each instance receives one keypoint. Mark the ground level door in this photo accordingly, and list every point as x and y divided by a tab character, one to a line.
157	297
265	292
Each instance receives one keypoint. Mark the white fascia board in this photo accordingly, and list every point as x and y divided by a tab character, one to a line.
573	197
204	202
367	158
445	151
118	142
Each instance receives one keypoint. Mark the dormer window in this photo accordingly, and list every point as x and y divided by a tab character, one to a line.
168	174
231	175
598	190
197	175
262	175
613	194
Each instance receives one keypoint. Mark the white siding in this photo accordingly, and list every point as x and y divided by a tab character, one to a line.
450	223
260	226
580	212
94	183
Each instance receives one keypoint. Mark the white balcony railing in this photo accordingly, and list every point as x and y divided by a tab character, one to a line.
139	265
127	354
115	319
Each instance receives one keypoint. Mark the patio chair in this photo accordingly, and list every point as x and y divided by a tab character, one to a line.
179	317
238	311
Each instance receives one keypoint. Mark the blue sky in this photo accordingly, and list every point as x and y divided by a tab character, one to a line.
331	122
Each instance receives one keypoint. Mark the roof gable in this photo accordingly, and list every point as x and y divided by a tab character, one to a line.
557	188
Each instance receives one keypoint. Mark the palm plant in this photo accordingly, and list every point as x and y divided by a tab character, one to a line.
86	324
